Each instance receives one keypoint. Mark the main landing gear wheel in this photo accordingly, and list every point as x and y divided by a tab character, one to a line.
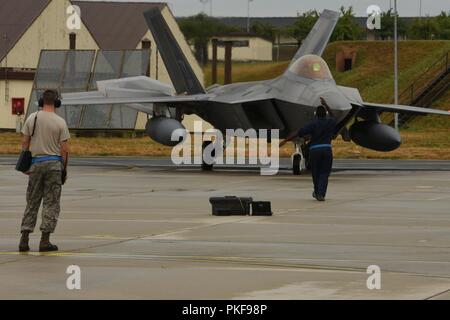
297	164
206	166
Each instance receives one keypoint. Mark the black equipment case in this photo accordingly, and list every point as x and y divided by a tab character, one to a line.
261	208
230	205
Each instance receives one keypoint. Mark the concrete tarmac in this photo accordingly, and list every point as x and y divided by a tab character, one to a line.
148	233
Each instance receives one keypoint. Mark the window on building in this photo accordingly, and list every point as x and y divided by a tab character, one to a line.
146	44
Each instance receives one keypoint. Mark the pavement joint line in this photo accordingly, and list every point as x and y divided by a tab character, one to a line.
437	294
16	260
214	259
227	258
211	259
112	195
144	238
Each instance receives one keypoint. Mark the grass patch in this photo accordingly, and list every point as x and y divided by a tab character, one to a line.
98	146
417	144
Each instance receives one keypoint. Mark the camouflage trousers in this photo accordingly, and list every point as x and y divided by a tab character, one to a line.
44	185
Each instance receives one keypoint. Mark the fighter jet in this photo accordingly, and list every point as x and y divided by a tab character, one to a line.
285	103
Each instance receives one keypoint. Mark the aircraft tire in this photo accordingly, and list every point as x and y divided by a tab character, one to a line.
206	166
305	151
296	162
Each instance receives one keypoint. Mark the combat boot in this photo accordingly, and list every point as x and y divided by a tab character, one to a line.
23	245
320	198
45	245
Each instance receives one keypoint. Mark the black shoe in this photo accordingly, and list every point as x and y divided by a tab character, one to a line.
24	248
314	195
47	247
23	245
320	198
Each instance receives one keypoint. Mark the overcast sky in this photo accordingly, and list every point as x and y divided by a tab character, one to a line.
265	8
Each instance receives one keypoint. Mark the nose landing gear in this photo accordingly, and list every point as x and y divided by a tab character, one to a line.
300	158
297	160
207	165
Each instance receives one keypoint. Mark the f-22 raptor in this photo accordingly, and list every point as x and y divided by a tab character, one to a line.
285	103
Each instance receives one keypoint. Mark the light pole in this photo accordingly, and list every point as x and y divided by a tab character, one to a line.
204	2
248	15
420	9
395	62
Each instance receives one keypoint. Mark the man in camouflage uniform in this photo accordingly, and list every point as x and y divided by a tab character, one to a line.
46	135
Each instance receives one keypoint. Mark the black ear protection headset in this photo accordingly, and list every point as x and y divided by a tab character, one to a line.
57	99
315	112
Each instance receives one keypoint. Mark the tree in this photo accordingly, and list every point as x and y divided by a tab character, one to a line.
265	30
443	25
387	26
424	28
347	28
302	26
199	29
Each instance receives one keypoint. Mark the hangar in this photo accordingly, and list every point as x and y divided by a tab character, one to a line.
29	26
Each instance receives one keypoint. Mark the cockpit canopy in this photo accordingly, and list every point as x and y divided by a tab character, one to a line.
311	67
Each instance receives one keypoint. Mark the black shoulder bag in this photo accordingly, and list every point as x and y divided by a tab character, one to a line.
25	157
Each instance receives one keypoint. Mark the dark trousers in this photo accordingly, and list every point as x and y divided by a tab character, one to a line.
321	162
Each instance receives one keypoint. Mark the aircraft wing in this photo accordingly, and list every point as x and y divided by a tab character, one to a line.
400	109
95	98
139	93
320	34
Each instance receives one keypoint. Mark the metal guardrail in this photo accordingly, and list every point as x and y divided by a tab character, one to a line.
425	89
413	93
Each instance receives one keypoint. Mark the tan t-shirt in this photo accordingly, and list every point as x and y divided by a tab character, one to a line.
50	131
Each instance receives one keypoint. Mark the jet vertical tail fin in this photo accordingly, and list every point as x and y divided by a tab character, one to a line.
180	71
317	39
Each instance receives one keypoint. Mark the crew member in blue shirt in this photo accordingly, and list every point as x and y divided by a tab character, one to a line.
322	132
